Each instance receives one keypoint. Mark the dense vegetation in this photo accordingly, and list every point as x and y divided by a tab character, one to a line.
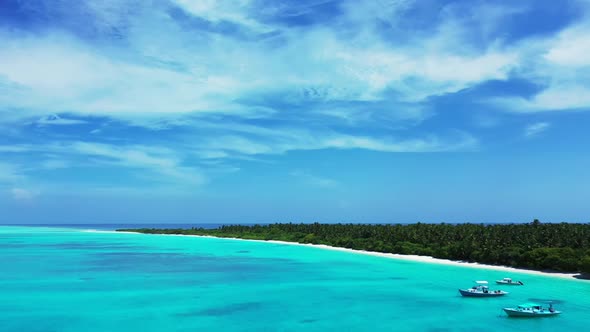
541	246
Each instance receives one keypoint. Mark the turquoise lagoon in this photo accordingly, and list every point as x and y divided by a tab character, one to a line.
56	279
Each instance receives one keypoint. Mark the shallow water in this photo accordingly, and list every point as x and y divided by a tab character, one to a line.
55	279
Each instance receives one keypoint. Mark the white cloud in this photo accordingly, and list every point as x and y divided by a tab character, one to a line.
164	72
430	144
571	47
56	74
211	72
415	73
535	129
554	98
561	64
163	75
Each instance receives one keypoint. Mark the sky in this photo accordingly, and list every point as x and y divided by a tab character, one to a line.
245	111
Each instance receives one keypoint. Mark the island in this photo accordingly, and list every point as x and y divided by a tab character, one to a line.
553	247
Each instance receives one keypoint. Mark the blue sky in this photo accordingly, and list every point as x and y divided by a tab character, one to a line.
309	110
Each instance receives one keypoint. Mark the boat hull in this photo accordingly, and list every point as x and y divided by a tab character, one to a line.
511	312
468	293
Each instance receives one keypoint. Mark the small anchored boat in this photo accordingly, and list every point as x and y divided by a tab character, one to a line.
510	282
531	310
481	290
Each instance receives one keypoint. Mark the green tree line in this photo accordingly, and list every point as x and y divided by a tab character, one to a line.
563	247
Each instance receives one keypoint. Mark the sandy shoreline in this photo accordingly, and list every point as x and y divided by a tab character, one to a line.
413	258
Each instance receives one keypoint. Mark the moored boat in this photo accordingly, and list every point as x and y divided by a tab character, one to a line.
510	282
531	310
481	289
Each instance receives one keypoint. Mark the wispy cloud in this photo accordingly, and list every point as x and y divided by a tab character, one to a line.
283	141
219	11
52	164
55	119
535	129
219	71
158	160
10	173
166	163
21	194
14	148
12	178
314	180
173	90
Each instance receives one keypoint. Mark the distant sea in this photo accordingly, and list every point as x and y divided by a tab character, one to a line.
67	279
107	227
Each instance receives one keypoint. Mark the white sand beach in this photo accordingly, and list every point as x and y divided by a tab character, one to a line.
414	258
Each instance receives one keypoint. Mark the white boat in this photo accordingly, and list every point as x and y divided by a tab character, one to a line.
531	310
510	282
481	289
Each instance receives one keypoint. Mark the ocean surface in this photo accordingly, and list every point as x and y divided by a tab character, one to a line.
65	279
106	227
